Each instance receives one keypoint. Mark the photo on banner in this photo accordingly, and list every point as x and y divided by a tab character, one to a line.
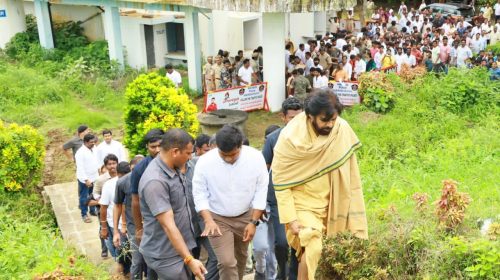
347	92
246	98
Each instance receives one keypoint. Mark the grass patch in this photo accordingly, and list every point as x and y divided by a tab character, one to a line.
45	102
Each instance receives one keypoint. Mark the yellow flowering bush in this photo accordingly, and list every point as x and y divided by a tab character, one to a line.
154	102
22	153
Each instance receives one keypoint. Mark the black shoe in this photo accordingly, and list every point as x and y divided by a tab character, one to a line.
93	214
104	255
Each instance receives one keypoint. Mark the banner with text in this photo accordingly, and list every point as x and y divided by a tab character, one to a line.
246	98
346	91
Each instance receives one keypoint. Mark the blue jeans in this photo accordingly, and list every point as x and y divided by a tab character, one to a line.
83	195
281	248
263	252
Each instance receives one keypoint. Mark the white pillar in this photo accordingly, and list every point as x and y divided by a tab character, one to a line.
112	32
193	49
11	20
274	58
210	41
43	23
320	23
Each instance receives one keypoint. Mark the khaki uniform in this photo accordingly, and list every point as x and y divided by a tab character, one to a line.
217	69
325	60
208	75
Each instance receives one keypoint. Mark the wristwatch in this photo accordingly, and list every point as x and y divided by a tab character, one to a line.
255	222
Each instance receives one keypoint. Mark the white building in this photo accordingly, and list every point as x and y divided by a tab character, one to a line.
152	33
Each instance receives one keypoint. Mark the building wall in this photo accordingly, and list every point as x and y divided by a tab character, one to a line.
13	22
93	28
134	42
301	27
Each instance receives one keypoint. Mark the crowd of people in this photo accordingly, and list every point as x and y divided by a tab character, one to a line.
390	41
224	71
393	40
216	194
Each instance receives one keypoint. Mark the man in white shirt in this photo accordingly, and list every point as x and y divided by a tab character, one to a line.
107	204
309	63
400	58
110	146
477	44
463	53
360	66
246	73
230	192
301	53
319	81
87	168
173	75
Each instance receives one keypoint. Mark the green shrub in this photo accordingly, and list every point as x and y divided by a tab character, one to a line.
494	48
154	102
467	92
22	153
377	91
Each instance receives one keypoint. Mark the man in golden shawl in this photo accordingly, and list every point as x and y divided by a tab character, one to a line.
317	181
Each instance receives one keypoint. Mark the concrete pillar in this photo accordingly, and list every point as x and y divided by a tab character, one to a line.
210	41
11	20
193	49
320	23
43	23
274	58
112	32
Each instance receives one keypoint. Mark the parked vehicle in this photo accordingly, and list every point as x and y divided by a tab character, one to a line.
453	10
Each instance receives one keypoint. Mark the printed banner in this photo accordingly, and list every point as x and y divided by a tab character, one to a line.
346	91
246	98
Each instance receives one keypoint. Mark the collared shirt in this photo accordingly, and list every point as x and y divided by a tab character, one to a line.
230	190
99	184
320	82
74	144
162	189
137	174
116	148
123	195
87	165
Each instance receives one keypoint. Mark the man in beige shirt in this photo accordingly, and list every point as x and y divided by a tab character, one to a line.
217	68
324	59
208	75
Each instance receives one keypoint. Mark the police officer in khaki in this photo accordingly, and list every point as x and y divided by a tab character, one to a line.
208	75
217	68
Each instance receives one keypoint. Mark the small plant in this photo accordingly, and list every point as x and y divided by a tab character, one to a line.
421	200
377	92
22	153
450	208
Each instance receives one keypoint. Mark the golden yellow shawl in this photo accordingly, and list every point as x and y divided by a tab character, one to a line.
300	157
